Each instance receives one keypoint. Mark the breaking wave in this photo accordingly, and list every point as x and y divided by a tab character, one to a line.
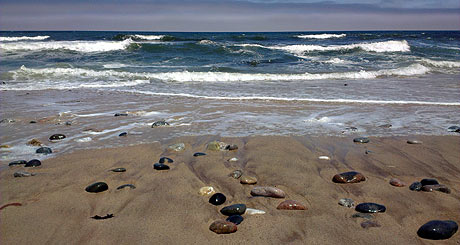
80	46
322	36
23	38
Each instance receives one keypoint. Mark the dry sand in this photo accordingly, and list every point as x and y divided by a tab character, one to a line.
166	208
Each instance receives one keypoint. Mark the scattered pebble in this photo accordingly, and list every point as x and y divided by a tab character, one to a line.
414	142
44	150
231	147
197	154
223	227
34	142
454	129
369	224
18	162
217	199
207	190
23	174
369	207
5	146
441	188
324	158
291	205
97	187
125	186
108	216
348	177
268	191
438	229
397	182
235	219
363	215
160	124
160	166
123	134
33	163
216	146
121	114
361	140
386	126
177	147
248	180
416	186
347	202
236	174
235	209
118	170
165	159
429	182
56	137
233	159
252	211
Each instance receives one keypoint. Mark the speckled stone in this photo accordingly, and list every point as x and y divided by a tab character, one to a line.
248	180
33	163
369	224
235	209
236	174
223	227
160	166
177	147
397	182
217	199
438	229
44	150
416	186
97	187
56	137
369	207
441	188
347	202
268	191
348	177
18	162
206	190
165	159
429	182
235	219
34	142
291	205
361	140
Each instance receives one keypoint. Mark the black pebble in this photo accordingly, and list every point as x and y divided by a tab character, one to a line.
165	159
369	207
97	187
125	186
416	186
199	154
361	140
438	229
33	163
108	216
44	150
118	170
235	209
231	147
160	123
33	122
57	137
123	134
235	219
429	182
18	162
121	114
160	166
217	199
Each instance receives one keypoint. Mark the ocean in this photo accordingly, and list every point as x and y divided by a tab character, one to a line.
368	83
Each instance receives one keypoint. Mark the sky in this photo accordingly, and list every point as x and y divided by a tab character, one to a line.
229	15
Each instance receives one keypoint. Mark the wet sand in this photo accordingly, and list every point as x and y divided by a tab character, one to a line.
166	208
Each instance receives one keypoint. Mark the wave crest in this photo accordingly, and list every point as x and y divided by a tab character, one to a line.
79	46
322	36
13	39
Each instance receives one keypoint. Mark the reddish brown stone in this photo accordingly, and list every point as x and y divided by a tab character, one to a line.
397	182
291	205
348	177
223	227
268	191
441	188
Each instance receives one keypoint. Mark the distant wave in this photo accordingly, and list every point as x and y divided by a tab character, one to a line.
13	39
80	46
149	37
322	36
441	63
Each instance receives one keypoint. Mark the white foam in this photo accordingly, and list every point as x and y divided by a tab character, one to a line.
149	37
335	61
320	120
322	36
442	63
207	42
13	39
92	115
115	65
80	46
83	140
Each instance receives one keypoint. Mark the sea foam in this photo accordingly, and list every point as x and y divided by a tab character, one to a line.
80	46
322	36
13	39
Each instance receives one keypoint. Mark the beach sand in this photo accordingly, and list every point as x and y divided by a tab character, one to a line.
166	207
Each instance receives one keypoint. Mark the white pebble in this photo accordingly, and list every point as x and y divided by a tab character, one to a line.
252	211
233	159
324	158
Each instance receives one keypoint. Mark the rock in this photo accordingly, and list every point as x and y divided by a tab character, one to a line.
97	187
33	163
160	124
23	174
386	126
56	137
252	211
268	191
18	162
236	174
363	215
118	170
397	182
7	120
124	134
216	146
33	121
165	159
369	207
223	227
177	147
121	114
5	146
351	129
44	150
207	190
68	123
235	219
416	186
197	154
235	209
125	186
34	142
347	202
324	158
231	147
291	205
248	180
370	223
217	199
348	177
160	166
233	159
108	216
361	140
438	229
414	142
454	129
441	188
429	182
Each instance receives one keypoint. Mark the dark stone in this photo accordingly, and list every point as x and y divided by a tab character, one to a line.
235	209
441	188
352	129
121	114
217	199
44	150
414	142
231	147
416	186
438	229
108	216
68	123
386	126
125	186
165	159
18	162
235	219
361	140
160	166
223	227
33	121
454	129
159	124
199	154
348	177
33	163
369	207
429	182
118	170
55	137
123	134
97	187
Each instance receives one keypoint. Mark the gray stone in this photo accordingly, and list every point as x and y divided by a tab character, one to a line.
347	202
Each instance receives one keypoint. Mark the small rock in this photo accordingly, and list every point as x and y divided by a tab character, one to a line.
207	190
369	207
233	159
177	147
397	182
252	211
236	174
386	126
124	134
118	170
347	202
438	229
363	215
248	180
33	163
68	123
361	140
125	186
441	188
348	177
414	142
160	124
231	147
429	182
217	199
197	154
121	114
370	223
18	162
7	120
44	150
291	205
97	187
23	174
454	129
268	191
56	137
33	121
34	142
216	146
5	146
223	227
235	209
108	216
160	166
165	159
324	158
235	219
416	186
351	129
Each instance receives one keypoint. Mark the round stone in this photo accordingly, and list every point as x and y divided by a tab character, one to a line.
414	142
213	146
126	186
197	154
44	150
397	182
56	137
223	227
291	205
217	199
348	177
438	229
369	207
159	124
416	186
268	191
97	187
206	190
33	163
235	209
347	202
18	162
235	219
118	170
160	166
429	182
248	180
165	159
236	174
361	140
